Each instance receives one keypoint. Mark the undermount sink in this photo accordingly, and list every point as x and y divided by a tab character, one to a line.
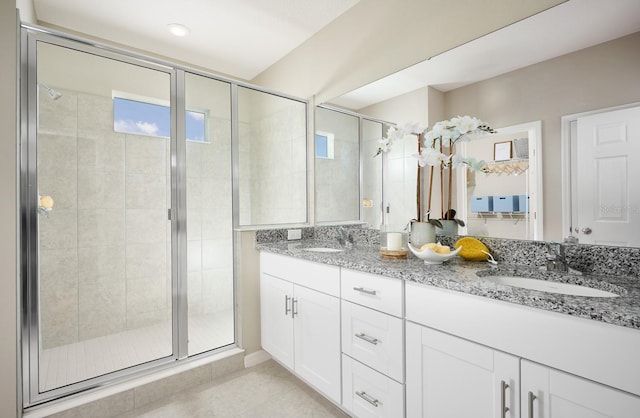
549	286
323	250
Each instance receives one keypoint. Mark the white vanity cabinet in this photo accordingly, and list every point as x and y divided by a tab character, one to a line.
457	361
451	377
549	393
300	319
372	345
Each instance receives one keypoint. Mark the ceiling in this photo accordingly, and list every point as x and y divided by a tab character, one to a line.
240	38
566	28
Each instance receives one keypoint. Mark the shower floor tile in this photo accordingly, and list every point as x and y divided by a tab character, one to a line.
72	363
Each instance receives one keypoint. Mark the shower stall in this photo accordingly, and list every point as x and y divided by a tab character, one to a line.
128	206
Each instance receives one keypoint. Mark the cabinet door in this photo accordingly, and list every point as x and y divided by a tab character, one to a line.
448	377
317	340
549	393
275	318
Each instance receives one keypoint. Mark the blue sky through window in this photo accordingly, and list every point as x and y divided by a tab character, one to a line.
135	117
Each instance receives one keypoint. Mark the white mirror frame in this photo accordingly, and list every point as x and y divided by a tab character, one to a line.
536	219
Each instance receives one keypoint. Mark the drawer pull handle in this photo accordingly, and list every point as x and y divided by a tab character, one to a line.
368	398
294	307
367	291
532	398
503	399
370	340
287	309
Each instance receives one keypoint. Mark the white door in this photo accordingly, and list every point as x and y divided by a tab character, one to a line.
317	340
276	321
608	149
548	393
448	377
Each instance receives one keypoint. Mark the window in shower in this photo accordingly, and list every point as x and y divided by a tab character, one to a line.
324	144
144	117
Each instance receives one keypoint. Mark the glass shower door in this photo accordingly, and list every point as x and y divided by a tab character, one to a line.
210	294
104	239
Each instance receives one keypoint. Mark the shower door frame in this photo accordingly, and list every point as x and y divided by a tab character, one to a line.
30	326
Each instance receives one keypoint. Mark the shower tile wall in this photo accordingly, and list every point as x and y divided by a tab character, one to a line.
104	265
209	232
105	249
278	167
337	179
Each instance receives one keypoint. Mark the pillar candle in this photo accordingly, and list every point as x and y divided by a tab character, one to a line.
394	241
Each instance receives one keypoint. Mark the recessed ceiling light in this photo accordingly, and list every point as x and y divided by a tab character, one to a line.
178	30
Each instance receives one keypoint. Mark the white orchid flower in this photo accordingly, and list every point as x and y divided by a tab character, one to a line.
432	157
465	124
414	128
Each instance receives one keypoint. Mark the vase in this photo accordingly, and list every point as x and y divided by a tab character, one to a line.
422	233
449	228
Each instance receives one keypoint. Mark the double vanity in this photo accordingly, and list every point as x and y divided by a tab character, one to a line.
395	338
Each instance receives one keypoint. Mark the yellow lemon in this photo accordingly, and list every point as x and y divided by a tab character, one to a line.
472	249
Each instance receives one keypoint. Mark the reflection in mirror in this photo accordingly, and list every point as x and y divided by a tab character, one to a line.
337	172
348	178
371	132
591	69
272	141
503	201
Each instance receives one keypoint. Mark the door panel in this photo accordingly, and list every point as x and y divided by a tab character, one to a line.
317	340
102	191
608	205
276	318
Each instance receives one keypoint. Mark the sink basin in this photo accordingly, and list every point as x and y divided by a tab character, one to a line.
323	250
549	286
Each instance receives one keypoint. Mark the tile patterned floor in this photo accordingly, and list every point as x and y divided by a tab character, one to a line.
264	391
76	362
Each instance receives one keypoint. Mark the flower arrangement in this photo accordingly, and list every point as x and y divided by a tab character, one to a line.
436	148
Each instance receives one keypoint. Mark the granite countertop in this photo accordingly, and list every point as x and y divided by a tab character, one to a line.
463	276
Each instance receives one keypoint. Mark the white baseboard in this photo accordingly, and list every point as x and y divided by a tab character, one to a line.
256	358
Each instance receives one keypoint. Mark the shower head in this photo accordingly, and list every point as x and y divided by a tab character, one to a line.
53	94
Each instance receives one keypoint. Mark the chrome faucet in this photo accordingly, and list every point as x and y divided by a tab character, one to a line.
556	258
345	239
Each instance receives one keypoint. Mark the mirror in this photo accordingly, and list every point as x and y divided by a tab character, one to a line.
582	71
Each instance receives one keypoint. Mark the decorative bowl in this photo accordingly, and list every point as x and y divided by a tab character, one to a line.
431	257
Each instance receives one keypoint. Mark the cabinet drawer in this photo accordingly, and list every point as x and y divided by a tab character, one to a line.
367	393
377	292
320	277
373	338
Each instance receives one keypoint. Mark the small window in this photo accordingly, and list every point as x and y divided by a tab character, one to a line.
324	145
144	118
